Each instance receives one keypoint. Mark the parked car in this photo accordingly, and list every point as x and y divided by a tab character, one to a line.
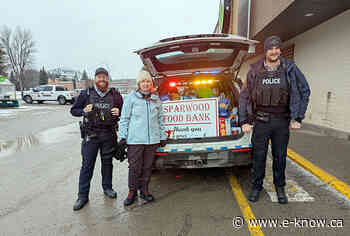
196	80
49	93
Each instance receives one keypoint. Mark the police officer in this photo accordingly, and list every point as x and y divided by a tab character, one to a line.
274	99
101	107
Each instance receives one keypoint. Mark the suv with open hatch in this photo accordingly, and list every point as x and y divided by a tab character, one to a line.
196	77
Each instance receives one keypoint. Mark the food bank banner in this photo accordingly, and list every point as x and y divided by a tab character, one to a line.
195	118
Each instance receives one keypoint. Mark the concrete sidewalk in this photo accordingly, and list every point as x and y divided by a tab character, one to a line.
327	152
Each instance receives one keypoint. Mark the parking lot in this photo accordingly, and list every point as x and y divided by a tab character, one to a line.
40	161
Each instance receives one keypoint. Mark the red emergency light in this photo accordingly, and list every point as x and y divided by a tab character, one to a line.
172	84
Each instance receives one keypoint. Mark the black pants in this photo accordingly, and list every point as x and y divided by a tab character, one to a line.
89	150
140	158
276	130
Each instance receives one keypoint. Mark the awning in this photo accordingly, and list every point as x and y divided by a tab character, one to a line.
301	16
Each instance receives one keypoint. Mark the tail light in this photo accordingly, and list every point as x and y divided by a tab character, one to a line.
242	150
161	154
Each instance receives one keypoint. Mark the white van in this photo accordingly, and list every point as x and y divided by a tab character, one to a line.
196	78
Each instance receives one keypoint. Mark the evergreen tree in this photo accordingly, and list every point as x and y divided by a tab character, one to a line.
44	77
84	76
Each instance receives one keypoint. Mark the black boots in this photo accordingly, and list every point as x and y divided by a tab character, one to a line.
281	195
110	193
254	195
80	203
147	197
132	196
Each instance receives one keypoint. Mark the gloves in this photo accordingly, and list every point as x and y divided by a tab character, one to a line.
121	152
122	141
162	143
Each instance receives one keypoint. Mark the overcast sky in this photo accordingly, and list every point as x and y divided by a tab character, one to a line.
84	34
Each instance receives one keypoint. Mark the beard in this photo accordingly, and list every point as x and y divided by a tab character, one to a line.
272	60
102	85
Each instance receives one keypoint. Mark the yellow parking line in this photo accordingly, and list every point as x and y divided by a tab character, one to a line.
245	208
325	177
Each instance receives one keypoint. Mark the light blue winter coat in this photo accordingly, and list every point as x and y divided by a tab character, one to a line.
140	121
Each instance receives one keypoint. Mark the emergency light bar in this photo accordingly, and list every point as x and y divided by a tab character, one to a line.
197	82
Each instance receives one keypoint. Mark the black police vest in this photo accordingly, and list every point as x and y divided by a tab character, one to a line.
271	92
100	119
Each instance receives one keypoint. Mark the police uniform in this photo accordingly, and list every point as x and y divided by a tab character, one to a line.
270	99
271	108
100	135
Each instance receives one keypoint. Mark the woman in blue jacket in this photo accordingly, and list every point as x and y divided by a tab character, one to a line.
141	129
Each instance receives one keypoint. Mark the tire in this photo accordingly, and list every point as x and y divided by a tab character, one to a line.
62	100
28	99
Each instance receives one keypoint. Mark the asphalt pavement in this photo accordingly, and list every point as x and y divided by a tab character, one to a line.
40	161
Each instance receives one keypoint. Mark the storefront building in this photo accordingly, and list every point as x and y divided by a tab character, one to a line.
316	36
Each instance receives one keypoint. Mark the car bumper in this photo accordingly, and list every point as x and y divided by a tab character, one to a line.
195	160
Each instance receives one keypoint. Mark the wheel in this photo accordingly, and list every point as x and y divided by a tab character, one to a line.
62	100
40	102
28	99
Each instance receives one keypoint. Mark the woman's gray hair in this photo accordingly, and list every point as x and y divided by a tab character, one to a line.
143	75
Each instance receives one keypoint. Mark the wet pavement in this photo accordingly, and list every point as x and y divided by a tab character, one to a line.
40	161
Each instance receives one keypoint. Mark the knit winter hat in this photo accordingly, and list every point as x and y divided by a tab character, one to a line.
272	41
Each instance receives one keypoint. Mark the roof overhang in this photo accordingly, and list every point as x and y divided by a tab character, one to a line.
301	16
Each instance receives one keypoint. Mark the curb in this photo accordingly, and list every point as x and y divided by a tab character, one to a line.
325	177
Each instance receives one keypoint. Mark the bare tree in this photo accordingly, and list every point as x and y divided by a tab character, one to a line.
19	48
31	78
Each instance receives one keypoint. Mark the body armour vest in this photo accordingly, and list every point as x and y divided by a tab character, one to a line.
100	119
271	91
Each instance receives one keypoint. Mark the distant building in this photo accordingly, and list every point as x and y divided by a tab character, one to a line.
67	84
315	35
124	86
64	73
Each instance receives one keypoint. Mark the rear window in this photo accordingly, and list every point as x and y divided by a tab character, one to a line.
209	55
60	89
195	56
46	88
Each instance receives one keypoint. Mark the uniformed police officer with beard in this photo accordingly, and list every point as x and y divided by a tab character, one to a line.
274	99
101	107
